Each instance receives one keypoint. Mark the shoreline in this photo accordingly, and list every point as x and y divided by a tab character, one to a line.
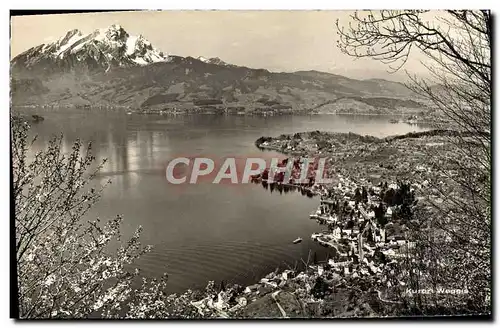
348	265
365	251
220	112
342	273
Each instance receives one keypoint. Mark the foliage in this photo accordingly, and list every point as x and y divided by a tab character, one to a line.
68	267
364	195
454	235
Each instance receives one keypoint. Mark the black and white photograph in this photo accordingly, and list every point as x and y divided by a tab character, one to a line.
251	164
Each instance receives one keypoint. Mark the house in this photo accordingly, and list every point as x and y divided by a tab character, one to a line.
373	268
388	252
339	263
337	233
347	232
332	218
382	235
353	245
379	235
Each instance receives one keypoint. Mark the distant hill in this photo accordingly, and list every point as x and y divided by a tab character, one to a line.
109	67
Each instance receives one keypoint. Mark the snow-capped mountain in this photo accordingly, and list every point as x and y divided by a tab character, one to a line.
109	67
214	60
103	48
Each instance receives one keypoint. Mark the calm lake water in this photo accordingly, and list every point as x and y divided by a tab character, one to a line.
205	231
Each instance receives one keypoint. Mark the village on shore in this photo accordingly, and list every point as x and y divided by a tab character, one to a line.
368	214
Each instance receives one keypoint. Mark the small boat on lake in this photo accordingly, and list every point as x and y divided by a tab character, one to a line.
298	240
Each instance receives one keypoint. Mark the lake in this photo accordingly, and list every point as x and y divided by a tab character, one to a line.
236	233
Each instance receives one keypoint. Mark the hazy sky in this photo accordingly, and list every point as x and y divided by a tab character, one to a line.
274	40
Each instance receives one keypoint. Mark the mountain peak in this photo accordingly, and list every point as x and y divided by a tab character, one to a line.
116	32
103	48
115	27
72	33
213	60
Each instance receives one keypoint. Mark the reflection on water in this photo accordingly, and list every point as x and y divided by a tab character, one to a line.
284	188
205	231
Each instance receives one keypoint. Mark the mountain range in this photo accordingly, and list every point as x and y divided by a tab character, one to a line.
109	67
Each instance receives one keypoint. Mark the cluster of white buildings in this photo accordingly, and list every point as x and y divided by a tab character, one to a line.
363	247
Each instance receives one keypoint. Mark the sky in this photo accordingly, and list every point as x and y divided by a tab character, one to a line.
280	41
